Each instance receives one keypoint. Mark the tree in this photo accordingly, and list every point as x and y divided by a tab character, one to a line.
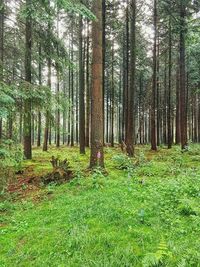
1	50
183	110
154	84
81	90
131	89
97	153
27	102
47	115
169	87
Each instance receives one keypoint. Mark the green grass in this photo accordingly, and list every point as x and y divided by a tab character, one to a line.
146	215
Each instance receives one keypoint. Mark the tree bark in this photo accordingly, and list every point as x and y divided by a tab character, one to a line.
1	52
97	155
27	102
154	85
183	108
178	138
81	91
131	91
87	131
169	122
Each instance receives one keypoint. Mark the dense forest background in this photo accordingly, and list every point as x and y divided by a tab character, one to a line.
150	73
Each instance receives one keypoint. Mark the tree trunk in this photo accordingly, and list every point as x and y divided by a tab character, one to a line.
158	93
27	102
178	138
183	109
169	120
81	91
104	59
39	126
1	51
131	91
72	88
87	131
112	99
126	68
58	93
97	155
154	85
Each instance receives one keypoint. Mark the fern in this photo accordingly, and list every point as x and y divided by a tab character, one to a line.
157	258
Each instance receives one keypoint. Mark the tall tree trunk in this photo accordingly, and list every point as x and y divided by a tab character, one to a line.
112	100
64	117
47	116
27	102
1	51
69	109
97	155
39	112
72	87
183	108
154	85
178	137
58	92
81	91
104	59
158	92
165	102
58	110
169	119
47	134
126	82
131	91
77	108
87	131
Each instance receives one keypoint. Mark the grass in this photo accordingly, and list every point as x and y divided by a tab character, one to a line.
146	214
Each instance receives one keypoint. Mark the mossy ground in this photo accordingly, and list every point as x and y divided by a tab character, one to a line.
145	215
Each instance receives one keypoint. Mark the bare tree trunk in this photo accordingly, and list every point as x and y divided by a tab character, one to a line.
81	91
154	85
58	92
178	138
131	92
39	124
104	58
27	102
97	155
112	100
126	67
87	132
47	117
1	52
72	89
169	119
183	108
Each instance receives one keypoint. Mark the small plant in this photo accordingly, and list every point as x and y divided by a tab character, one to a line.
98	178
123	162
158	258
141	159
186	208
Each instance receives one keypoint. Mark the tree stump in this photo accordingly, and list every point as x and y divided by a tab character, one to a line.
61	172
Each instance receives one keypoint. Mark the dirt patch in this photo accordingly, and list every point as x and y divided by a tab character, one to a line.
28	183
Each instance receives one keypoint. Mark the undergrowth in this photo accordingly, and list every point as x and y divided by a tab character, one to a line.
140	212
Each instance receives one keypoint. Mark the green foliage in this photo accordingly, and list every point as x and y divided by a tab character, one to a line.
11	157
158	258
103	220
187	207
6	99
75	6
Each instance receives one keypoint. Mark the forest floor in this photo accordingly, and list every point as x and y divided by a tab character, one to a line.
144	212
